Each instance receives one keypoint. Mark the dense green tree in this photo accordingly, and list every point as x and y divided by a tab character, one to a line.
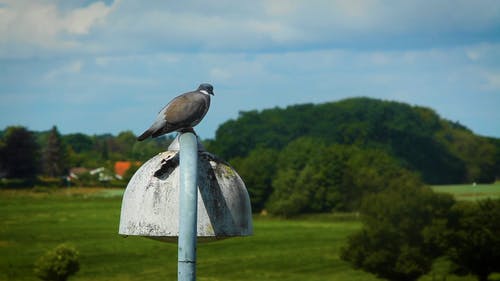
496	156
257	171
20	153
270	128
472	241
315	177
369	171
54	156
291	191
81	151
393	242
124	144
79	142
477	153
416	136
142	151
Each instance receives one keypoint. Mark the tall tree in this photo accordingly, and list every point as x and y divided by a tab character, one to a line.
79	142
125	142
393	242
313	177
54	156
473	240
19	154
257	171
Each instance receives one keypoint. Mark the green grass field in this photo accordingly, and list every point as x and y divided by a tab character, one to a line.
469	191
306	248
32	223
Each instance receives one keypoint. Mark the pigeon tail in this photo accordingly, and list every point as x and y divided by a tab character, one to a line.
144	135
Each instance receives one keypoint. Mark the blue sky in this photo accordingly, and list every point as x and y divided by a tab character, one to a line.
98	67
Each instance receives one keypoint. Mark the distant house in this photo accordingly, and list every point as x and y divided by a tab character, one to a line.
103	173
121	167
75	172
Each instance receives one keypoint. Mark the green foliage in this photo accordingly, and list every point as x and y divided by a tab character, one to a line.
258	170
19	154
473	240
25	155
54	156
477	153
304	181
396	241
58	264
79	142
496	167
315	177
416	136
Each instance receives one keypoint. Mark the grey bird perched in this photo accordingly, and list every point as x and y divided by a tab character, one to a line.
182	113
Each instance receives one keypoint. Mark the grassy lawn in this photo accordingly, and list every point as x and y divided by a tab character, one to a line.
306	248
32	223
470	192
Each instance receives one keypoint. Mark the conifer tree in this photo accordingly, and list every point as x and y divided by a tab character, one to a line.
54	155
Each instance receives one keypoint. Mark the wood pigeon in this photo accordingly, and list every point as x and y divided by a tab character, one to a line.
182	113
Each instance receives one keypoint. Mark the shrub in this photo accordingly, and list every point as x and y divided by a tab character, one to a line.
58	264
472	242
396	241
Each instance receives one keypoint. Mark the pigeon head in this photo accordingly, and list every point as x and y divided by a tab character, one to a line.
209	89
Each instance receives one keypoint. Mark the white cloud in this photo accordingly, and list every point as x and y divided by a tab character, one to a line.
70	68
42	24
79	21
33	27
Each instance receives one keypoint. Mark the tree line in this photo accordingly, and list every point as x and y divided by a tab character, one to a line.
324	157
440	151
31	158
260	144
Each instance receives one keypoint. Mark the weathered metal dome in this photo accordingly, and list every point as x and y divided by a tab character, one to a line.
150	205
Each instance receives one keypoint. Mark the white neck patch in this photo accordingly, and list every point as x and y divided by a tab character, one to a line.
204	92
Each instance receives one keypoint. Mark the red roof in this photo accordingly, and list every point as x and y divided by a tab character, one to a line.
121	167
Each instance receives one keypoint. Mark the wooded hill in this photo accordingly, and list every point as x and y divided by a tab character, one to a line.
300	159
440	151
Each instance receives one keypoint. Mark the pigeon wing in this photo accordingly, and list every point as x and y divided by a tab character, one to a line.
183	111
186	110
157	128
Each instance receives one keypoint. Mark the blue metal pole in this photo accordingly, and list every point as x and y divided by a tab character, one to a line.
188	162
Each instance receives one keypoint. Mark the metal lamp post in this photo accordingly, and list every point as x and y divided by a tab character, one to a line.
188	199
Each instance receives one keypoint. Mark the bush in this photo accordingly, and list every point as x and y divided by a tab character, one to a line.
472	242
396	242
58	264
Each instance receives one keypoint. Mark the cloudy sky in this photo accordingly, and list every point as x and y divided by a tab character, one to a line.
98	67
